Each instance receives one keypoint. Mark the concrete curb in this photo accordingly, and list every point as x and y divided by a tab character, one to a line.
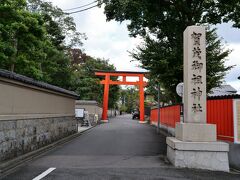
8	166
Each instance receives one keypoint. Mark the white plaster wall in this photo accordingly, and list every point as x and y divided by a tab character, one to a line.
20	101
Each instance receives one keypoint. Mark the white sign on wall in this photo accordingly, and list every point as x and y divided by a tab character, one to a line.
195	74
79	113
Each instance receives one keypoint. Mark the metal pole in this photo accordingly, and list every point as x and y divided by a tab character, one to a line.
182	109
158	125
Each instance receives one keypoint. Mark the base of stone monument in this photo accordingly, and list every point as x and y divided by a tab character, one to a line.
196	132
198	155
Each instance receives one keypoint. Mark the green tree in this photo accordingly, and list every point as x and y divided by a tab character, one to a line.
21	39
161	24
33	41
167	18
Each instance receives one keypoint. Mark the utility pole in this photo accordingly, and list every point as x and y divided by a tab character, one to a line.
158	125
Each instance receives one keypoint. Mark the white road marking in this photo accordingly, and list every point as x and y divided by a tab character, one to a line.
40	176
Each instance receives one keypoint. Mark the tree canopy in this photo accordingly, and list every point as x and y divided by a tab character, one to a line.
167	17
161	24
32	43
22	38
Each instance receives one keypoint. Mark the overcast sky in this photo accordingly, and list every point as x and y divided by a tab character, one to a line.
110	40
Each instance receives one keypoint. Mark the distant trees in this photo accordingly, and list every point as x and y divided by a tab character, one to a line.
129	99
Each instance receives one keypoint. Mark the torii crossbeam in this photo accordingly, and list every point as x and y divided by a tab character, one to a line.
124	74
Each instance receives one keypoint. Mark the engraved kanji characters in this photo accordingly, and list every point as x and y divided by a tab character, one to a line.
197	108
196	38
197	52
197	93
197	77
197	66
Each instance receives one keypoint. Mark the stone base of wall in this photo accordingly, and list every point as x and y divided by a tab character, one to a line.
168	130
18	137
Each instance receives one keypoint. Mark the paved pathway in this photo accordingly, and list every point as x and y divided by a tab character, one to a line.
121	149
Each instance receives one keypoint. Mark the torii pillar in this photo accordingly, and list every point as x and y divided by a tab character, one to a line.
105	99
141	98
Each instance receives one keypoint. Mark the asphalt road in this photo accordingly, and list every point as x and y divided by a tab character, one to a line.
120	149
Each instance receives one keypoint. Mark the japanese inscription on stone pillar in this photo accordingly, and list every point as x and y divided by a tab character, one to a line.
194	75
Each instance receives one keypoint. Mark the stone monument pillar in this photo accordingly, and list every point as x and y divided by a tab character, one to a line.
195	144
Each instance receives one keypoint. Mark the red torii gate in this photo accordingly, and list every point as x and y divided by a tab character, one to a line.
107	81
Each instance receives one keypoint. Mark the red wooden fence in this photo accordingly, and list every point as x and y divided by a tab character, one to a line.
219	112
168	115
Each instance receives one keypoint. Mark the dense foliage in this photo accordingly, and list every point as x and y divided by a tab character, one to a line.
32	44
161	24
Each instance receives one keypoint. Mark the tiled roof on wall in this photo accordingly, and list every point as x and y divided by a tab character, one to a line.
30	81
223	90
231	96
